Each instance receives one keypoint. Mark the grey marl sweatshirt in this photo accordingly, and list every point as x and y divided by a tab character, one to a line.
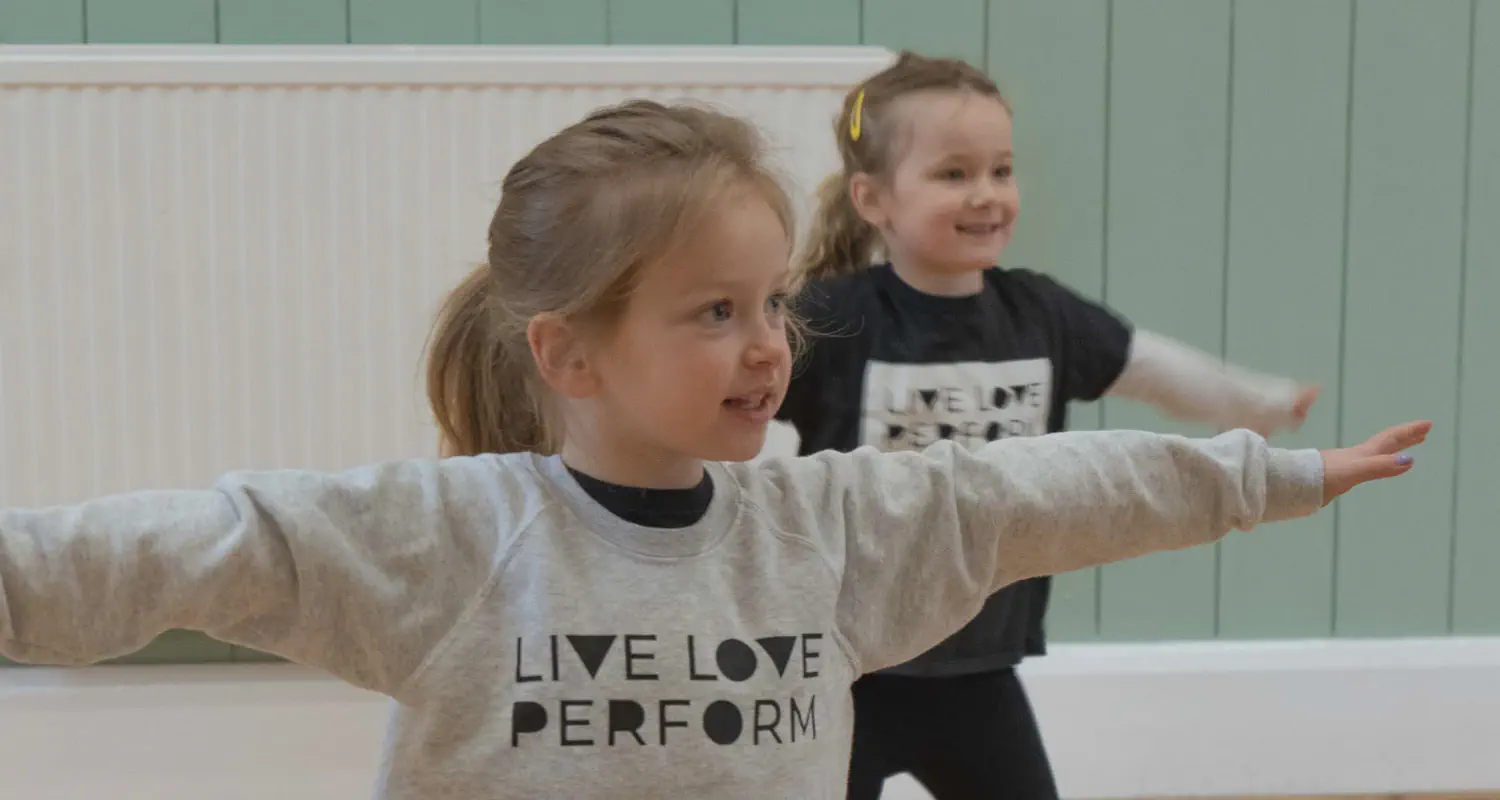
538	646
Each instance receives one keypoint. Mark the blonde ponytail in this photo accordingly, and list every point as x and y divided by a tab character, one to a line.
839	242
481	381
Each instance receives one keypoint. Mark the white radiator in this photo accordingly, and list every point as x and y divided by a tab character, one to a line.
219	258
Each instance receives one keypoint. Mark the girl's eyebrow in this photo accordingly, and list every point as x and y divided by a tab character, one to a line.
727	282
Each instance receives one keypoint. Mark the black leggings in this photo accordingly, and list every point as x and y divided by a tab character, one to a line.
964	738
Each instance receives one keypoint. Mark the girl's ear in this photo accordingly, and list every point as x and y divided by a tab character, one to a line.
561	357
865	194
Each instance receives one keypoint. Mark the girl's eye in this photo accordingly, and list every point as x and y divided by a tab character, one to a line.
953	174
1004	173
776	304
721	311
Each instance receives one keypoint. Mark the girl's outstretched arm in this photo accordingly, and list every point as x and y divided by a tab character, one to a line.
1189	384
360	573
921	539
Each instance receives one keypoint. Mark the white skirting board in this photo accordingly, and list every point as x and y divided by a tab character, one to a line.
1122	721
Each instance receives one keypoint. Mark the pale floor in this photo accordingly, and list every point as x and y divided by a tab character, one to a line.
1470	796
903	787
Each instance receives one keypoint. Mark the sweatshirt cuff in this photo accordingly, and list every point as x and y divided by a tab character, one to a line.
1294	484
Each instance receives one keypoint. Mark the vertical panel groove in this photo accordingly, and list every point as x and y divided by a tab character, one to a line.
212	115
241	249
1400	359
1166	229
1218	566
1343	434
122	359
1109	71
1463	280
63	442
31	310
9	406
986	8
87	129
274	157
184	420
1287	129
1109	63
145	155
1049	61
1476	605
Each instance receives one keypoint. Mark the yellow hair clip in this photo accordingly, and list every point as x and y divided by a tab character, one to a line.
854	120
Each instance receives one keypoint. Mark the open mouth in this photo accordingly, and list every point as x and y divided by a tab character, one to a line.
979	229
751	403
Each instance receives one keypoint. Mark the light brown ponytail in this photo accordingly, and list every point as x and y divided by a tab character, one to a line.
839	241
481	381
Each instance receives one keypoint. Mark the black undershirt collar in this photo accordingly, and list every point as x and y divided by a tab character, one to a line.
650	508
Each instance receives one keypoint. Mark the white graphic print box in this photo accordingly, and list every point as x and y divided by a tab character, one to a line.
911	406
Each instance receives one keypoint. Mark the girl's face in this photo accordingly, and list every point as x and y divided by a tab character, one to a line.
698	362
951	200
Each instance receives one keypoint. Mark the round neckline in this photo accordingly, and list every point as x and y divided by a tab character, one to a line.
650	506
894	281
685	542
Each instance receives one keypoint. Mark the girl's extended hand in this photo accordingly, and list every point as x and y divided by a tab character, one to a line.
1303	403
1377	458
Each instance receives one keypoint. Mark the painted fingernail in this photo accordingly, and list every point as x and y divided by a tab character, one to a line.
1403	459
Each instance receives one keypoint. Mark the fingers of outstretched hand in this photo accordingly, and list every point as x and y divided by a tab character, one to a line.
1377	458
1397	438
1386	465
1305	399
1345	469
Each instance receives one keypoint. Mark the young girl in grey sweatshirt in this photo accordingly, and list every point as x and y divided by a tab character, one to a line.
598	594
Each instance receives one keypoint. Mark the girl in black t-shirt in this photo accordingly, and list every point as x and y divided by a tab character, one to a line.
937	343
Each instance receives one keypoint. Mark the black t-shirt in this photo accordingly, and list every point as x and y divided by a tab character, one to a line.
887	365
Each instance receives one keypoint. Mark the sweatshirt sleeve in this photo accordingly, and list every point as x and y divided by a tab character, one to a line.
922	538
358	573
1189	384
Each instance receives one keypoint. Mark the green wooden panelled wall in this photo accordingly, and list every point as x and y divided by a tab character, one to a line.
1310	187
